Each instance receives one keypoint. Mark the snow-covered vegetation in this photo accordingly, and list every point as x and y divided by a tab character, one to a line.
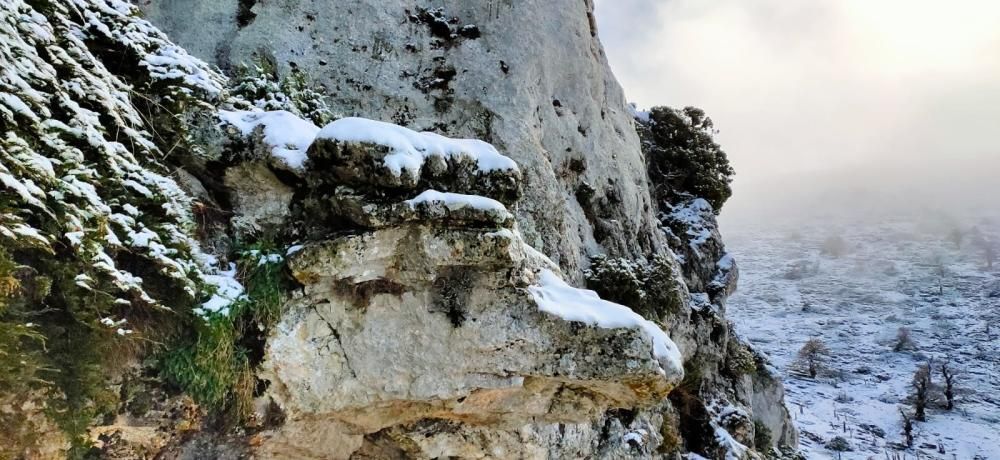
682	155
877	306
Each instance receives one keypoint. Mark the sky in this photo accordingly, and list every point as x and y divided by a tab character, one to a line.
859	88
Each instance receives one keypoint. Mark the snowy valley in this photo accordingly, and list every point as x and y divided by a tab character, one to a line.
854	284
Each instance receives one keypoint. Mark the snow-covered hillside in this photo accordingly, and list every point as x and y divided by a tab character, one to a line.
890	277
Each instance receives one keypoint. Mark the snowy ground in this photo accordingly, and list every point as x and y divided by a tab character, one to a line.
856	304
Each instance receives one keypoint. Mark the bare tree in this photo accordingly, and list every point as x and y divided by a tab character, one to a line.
957	236
921	392
949	385
903	340
988	248
941	271
907	427
812	357
834	246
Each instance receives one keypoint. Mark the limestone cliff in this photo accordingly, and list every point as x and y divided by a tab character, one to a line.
265	283
527	77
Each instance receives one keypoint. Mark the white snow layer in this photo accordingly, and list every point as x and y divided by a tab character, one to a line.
555	297
227	291
291	136
410	149
641	115
694	216
288	135
454	201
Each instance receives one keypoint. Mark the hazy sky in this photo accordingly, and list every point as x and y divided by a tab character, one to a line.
798	85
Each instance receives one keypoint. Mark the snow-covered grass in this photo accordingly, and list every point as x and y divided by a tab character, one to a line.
409	149
855	304
555	297
227	292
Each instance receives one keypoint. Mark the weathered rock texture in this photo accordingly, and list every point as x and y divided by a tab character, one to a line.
531	78
528	77
412	331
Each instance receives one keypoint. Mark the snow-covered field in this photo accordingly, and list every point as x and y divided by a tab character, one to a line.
889	278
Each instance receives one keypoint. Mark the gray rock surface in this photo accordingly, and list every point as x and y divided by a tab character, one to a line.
260	201
411	324
535	83
413	336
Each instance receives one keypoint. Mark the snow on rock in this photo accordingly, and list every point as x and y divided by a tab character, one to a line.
288	135
410	149
636	437
454	201
555	297
693	215
725	274
641	115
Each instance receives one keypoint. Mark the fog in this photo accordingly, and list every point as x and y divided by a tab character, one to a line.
827	106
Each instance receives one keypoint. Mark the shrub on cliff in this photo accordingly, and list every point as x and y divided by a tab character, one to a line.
648	288
682	156
260	84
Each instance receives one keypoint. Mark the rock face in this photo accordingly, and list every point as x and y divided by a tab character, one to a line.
427	317
531	79
418	302
527	77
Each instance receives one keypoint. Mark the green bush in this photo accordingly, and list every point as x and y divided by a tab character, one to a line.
740	360
214	364
648	288
682	156
761	437
260	84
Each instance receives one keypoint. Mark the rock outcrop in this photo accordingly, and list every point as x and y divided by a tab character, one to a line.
430	318
528	77
366	290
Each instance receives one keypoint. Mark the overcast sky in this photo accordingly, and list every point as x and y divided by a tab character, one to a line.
798	85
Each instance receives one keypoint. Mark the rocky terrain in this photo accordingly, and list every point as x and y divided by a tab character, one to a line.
353	241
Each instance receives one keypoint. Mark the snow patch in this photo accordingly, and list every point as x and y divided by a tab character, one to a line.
641	115
638	437
555	297
227	291
455	201
288	135
694	216
410	149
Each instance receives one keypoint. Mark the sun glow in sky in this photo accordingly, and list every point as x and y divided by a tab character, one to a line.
799	86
